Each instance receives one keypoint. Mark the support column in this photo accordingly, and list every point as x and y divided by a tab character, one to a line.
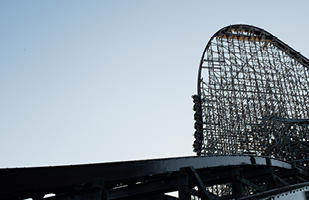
183	194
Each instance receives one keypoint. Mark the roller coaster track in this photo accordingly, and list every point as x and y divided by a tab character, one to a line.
257	33
254	102
152	179
252	96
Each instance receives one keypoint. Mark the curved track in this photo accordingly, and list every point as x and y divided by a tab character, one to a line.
252	96
223	127
148	178
258	32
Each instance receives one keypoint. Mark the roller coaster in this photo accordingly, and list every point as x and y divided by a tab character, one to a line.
251	135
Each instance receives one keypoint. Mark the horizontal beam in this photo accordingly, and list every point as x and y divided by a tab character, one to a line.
162	185
56	179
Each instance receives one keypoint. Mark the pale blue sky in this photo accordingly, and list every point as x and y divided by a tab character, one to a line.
102	81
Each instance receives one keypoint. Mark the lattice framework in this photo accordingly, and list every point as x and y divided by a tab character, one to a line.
254	96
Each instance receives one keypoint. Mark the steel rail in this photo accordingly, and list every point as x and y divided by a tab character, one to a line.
46	179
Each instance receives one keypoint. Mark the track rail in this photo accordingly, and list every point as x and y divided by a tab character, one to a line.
16	183
256	31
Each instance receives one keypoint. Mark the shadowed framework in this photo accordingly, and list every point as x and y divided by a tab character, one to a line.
252	97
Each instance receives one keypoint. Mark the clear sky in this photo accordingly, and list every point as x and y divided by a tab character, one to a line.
102	81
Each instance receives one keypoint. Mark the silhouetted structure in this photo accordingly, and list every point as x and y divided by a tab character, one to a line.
251	136
254	94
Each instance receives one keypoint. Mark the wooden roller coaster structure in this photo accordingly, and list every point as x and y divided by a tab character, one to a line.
251	138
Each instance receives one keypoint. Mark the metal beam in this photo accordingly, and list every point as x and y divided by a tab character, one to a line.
249	183
201	187
22	181
94	193
148	188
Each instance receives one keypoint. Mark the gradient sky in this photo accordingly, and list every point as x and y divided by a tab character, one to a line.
102	81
